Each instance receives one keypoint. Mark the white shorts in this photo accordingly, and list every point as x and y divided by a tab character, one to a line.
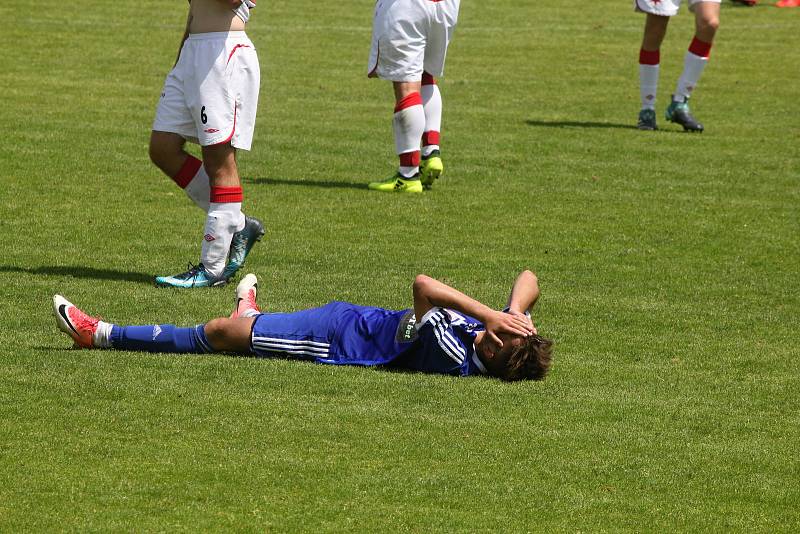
411	36
211	95
665	8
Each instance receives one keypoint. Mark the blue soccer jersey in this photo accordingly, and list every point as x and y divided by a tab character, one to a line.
445	344
347	334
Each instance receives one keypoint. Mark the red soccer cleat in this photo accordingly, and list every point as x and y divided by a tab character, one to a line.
72	321
246	293
788	3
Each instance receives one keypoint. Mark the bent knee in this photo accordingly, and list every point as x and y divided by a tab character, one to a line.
229	335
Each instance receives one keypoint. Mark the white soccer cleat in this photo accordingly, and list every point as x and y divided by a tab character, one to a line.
73	322
246	292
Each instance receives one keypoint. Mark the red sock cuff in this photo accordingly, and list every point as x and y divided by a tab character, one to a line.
410	159
700	48
649	57
427	79
430	138
226	194
187	171
413	99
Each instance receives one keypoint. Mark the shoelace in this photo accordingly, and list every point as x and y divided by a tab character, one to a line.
192	271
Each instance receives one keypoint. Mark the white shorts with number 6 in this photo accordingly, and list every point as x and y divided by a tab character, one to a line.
411	36
211	95
665	8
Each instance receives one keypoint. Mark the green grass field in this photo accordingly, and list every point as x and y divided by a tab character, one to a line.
668	264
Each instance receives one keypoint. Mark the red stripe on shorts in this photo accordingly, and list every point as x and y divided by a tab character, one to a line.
427	79
235	48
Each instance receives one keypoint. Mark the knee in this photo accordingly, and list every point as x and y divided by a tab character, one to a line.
707	27
217	333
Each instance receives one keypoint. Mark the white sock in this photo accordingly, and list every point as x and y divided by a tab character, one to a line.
432	104
648	85
693	66
199	189
193	179
224	219
408	124
102	336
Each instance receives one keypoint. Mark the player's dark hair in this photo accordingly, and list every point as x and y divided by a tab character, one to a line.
531	360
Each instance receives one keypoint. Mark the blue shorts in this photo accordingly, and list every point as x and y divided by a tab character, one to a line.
337	333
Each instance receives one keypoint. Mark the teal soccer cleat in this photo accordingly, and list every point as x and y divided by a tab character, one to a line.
647	120
241	244
195	276
678	112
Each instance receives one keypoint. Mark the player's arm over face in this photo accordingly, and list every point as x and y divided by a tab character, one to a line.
429	293
524	294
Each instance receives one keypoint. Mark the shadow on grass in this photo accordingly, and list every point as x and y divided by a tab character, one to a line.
326	184
580	124
81	272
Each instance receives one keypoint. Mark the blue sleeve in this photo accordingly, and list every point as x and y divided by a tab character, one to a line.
442	349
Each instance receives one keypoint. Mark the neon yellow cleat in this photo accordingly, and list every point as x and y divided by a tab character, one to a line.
398	184
430	169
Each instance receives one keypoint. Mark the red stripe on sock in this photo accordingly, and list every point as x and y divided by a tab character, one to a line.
649	57
430	138
427	79
188	171
226	194
700	48
410	159
413	99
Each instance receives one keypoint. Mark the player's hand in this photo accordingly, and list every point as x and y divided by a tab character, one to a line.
526	318
506	323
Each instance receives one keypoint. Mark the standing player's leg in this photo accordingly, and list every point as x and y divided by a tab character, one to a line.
431	166
655	28
168	154
408	125
225	216
219	107
706	23
397	54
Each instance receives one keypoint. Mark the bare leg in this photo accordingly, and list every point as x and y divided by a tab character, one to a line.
220	163
403	89
224	217
230	335
167	153
655	28
706	20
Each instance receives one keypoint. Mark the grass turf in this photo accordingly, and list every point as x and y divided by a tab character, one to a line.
668	264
